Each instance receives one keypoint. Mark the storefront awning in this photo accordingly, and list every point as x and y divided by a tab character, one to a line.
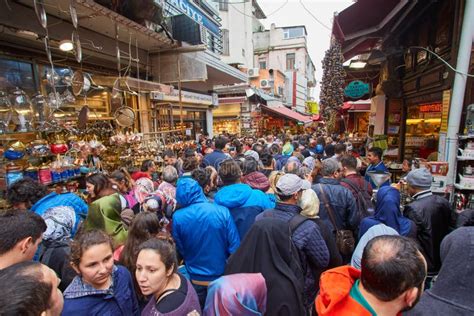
286	112
360	27
358	106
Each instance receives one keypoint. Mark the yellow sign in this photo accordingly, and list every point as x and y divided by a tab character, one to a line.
445	111
312	107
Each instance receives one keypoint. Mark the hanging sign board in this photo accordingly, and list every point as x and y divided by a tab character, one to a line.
356	89
445	111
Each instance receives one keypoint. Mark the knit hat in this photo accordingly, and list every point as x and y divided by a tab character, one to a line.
420	178
309	203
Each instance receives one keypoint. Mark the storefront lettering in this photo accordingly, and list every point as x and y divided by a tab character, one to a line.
356	89
190	10
435	107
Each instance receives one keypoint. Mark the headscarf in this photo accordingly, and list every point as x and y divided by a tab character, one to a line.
162	204
60	221
309	203
243	294
295	160
143	187
287	149
387	211
310	162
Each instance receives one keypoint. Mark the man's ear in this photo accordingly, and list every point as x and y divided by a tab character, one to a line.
25	244
410	296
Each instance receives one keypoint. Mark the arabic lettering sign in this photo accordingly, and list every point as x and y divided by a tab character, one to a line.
356	89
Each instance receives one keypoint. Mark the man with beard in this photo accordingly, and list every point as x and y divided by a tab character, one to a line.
390	281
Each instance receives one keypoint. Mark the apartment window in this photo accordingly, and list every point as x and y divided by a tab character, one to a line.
293	32
243	52
290	61
225	42
223	5
262	63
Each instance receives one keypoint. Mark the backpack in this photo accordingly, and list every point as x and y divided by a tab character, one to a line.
365	206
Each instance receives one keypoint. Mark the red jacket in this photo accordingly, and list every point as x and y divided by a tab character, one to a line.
334	294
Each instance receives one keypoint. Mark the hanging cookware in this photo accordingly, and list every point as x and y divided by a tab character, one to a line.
5	112
82	83
40	13
83	116
124	116
73	13
39	103
23	108
59	147
15	151
77	46
48	50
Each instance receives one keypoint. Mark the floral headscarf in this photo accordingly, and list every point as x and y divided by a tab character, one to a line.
60	221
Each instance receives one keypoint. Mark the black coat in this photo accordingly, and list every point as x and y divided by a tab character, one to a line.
432	215
267	249
55	254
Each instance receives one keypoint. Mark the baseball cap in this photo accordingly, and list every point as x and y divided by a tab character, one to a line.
289	184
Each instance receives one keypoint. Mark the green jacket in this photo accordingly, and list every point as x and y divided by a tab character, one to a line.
104	214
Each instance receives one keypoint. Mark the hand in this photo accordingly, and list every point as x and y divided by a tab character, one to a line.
193	313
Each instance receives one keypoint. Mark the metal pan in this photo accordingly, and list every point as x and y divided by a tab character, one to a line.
124	116
40	13
73	13
77	46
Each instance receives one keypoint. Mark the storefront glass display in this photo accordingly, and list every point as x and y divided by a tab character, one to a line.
422	130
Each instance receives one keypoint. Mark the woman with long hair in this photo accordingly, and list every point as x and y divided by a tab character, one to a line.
101	288
105	208
145	226
157	276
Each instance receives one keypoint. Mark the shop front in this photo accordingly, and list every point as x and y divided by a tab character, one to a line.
227	116
280	119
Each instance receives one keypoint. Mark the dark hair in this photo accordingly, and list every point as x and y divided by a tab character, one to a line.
169	153
238	146
376	151
329	149
202	176
190	163
349	161
144	226
266	159
258	148
24	291
249	165
340	148
220	142
122	175
275	149
100	182
26	190
146	164
84	241
189	152
16	225
166	250
391	265
229	172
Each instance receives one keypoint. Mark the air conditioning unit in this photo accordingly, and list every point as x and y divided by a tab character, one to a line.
264	83
156	95
253	72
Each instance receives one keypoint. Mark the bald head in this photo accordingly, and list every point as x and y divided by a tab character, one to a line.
391	265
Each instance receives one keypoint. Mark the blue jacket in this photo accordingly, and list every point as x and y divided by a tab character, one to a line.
205	233
82	299
342	203
378	167
214	159
280	160
244	204
66	199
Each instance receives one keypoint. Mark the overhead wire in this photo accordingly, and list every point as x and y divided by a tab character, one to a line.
267	15
314	17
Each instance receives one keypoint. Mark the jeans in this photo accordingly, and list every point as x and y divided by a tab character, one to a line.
201	292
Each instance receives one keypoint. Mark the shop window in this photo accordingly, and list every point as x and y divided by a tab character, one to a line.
225	42
290	61
15	74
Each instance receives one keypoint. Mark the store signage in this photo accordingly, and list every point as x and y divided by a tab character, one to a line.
435	107
356	89
312	107
186	97
445	111
188	8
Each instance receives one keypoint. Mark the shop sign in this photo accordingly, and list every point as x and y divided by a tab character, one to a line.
445	111
435	107
312	107
188	8
186	97
356	89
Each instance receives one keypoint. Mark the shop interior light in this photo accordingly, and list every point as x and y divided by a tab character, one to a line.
357	64
66	45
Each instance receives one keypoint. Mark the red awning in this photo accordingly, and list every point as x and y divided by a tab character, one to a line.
360	26
286	112
356	106
316	117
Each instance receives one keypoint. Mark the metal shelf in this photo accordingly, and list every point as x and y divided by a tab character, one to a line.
459	187
461	158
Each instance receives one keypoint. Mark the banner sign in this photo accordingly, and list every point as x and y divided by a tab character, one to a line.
356	89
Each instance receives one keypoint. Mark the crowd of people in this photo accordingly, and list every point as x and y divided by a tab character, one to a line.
287	225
